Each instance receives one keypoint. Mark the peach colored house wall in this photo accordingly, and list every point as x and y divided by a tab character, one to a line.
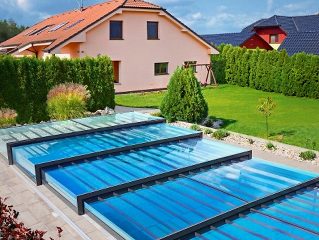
138	55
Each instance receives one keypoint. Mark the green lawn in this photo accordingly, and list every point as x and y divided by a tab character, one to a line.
294	121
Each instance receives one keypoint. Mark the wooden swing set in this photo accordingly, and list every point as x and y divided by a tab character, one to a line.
210	72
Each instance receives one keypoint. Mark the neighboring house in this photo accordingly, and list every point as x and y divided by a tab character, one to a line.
295	34
144	41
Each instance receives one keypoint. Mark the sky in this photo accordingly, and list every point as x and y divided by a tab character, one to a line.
203	16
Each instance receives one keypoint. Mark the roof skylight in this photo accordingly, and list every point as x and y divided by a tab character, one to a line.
37	32
74	24
57	27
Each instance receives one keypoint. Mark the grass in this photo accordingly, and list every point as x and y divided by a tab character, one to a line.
295	120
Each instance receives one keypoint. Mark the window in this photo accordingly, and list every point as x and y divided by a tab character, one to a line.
191	64
73	24
58	26
152	30
37	32
274	38
161	68
116	30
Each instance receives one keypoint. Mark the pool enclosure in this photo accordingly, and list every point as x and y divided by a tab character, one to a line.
144	179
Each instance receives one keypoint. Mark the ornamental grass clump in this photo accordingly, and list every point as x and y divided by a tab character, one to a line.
8	117
66	101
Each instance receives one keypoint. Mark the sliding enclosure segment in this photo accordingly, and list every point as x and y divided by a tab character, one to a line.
25	135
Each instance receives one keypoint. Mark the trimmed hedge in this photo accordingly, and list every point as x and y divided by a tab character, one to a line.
25	83
271	71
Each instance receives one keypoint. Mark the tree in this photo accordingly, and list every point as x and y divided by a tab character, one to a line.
266	106
8	29
184	100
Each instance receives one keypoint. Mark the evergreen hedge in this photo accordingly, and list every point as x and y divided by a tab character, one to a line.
271	71
25	83
184	100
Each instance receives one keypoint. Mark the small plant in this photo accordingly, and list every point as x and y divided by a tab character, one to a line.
195	127
7	117
266	106
270	146
67	101
157	114
308	155
220	134
251	141
208	131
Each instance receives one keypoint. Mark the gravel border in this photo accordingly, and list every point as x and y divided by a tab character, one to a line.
284	150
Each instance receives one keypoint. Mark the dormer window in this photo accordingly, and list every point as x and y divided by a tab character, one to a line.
274	38
116	30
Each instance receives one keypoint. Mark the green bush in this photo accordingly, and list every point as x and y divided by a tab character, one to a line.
208	131
220	134
184	100
25	83
195	127
66	101
308	155
271	71
7	117
270	146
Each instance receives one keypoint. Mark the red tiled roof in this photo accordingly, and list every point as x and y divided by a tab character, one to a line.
84	19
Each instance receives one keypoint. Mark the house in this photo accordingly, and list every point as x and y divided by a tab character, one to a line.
295	34
145	42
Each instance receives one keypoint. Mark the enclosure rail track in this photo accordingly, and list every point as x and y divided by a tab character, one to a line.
11	145
235	212
166	175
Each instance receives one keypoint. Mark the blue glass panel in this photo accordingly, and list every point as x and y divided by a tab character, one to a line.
75	146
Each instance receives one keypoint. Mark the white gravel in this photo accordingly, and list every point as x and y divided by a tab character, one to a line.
284	150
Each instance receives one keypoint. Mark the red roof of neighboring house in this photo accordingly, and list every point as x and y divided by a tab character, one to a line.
59	28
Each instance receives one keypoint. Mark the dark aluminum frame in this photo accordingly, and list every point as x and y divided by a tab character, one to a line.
186	170
232	213
11	145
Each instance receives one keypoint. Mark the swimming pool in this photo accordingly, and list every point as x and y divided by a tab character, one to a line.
144	179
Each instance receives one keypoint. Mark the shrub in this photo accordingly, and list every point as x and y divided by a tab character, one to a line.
208	131
67	101
184	100
271	146
195	127
220	134
295	75
25	83
7	117
11	228
308	155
